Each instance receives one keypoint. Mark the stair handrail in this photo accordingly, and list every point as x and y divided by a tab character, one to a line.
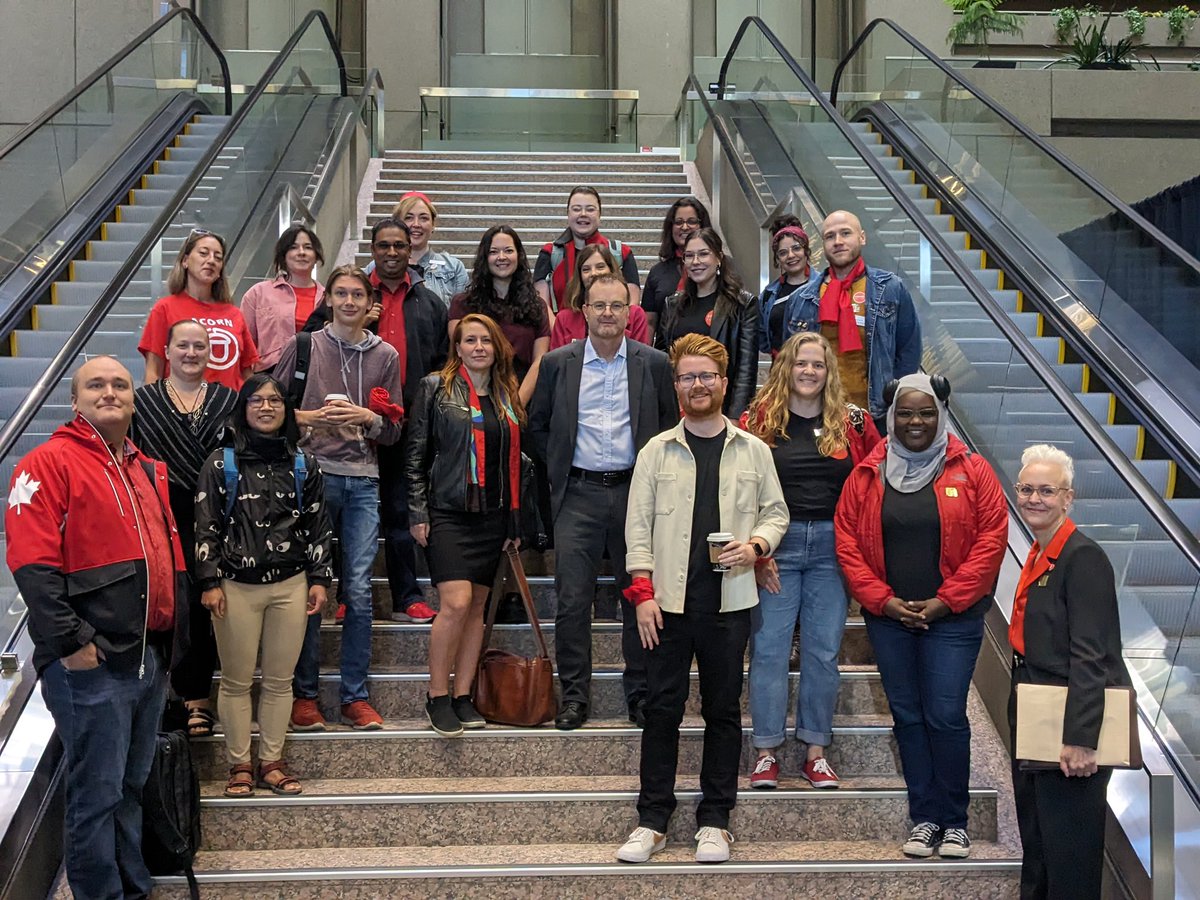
103	70
1072	168
23	415
1162	514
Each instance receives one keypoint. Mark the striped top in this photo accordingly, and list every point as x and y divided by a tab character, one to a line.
160	430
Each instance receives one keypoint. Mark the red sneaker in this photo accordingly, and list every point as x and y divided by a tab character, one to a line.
361	716
418	612
820	774
340	615
306	716
765	774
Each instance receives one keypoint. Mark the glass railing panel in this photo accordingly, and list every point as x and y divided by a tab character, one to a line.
529	119
1178	719
48	172
1122	275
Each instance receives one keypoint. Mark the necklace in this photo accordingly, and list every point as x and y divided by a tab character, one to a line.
194	411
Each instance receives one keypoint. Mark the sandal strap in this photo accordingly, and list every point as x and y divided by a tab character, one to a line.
268	768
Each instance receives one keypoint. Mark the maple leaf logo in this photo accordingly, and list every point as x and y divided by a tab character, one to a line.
22	492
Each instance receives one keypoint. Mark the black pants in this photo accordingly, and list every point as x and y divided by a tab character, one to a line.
399	548
718	643
592	519
192	676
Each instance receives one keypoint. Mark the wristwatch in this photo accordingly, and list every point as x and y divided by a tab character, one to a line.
758	549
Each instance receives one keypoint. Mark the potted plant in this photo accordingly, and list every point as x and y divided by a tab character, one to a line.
1066	20
1091	49
977	19
1180	20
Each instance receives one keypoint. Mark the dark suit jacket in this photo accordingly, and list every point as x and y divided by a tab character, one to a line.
1073	635
554	409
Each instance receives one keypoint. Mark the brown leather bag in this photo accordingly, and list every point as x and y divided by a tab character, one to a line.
512	689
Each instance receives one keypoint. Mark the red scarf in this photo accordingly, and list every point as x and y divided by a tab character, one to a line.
477	457
837	306
1034	569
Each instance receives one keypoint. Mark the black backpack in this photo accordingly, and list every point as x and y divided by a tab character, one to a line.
171	810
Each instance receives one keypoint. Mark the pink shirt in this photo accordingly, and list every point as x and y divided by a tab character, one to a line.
270	312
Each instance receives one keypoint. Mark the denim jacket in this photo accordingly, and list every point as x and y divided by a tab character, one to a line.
893	332
766	301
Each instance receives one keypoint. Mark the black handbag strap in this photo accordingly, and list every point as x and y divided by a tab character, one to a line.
518	571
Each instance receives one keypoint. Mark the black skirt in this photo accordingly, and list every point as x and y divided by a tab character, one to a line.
465	546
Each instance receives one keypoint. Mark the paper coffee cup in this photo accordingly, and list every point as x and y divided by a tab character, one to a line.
329	398
716	544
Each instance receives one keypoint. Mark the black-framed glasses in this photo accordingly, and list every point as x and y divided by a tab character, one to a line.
1045	491
687	380
256	402
690	223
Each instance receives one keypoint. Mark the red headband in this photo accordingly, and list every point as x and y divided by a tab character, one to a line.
419	196
794	230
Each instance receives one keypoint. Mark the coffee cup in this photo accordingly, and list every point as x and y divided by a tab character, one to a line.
329	398
716	546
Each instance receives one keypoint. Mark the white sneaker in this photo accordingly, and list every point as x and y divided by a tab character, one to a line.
642	844
712	844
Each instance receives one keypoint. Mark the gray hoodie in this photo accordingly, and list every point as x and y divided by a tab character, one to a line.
337	367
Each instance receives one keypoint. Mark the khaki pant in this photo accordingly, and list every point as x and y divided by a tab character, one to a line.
276	614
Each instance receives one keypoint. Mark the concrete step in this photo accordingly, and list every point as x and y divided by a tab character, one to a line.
449	224
558	186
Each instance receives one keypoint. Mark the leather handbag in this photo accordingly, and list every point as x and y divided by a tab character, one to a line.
1041	709
512	689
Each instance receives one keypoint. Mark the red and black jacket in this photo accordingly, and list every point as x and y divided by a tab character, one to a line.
74	550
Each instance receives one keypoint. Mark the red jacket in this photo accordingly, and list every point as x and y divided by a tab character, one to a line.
974	520
74	550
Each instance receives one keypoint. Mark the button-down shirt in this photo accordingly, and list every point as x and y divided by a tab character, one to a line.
604	437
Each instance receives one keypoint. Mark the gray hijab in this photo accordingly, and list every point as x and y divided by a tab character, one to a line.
908	471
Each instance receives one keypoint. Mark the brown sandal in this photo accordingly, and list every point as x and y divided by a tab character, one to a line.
286	786
241	781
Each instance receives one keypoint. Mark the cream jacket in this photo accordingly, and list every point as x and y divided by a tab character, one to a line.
658	525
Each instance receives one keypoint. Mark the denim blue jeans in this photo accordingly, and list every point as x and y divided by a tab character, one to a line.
927	676
812	594
107	721
353	504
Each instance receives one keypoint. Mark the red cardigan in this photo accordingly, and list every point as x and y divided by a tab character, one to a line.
974	525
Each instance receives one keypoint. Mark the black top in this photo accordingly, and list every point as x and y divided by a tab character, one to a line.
775	318
703	584
912	542
811	482
661	282
696	319
493	467
182	440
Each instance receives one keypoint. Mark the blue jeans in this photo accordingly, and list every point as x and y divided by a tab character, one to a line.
353	504
927	676
107	721
812	593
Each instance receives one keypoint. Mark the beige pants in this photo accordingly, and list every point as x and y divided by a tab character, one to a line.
276	614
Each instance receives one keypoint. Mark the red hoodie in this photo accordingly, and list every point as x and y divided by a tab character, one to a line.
974	525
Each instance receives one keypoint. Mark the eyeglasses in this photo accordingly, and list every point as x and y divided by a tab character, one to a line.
600	307
785	252
697	255
708	379
256	402
389	246
1045	491
691	223
201	232
928	414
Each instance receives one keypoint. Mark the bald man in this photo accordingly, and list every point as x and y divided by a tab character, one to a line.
94	550
865	313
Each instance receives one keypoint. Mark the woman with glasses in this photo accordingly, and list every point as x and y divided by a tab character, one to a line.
816	437
501	288
464	468
593	261
198	290
263	544
789	250
922	525
1065	630
713	303
444	274
686	216
276	309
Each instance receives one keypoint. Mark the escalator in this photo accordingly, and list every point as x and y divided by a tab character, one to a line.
1026	367
288	152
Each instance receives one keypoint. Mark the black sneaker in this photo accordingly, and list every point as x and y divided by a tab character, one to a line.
442	717
466	713
924	837
955	844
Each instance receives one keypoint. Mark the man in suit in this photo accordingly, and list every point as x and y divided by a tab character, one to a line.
597	403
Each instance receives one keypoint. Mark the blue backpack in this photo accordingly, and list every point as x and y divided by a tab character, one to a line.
299	473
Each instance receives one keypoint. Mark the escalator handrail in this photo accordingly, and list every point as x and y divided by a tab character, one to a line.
117	58
1163	515
23	415
1119	205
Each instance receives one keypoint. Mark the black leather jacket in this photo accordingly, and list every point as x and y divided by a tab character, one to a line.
738	334
435	457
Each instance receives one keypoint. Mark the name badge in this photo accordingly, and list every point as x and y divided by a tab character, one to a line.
860	321
1044	580
951	492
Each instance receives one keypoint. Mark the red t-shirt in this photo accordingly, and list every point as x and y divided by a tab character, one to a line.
232	348
306	298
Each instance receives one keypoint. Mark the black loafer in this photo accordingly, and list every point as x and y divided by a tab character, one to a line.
573	715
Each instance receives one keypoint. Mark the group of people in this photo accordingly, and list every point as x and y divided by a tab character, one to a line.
454	411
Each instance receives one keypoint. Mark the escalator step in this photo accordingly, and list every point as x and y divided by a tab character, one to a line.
44	345
72	293
1027	406
999	350
110	251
